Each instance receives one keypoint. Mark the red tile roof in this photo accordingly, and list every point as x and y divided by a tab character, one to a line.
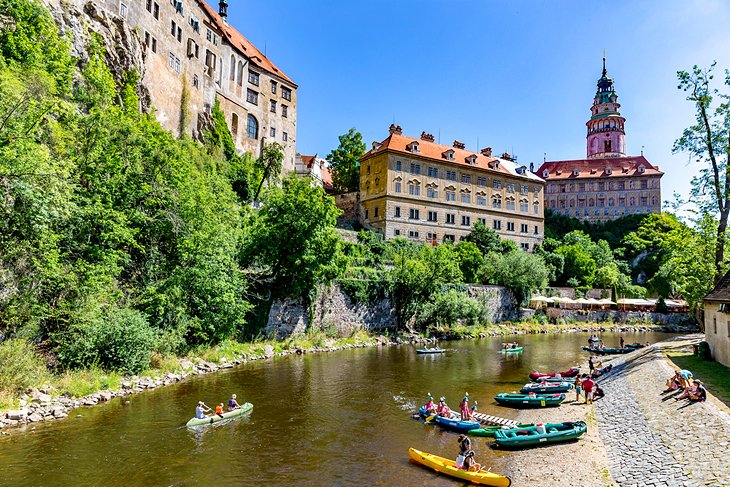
596	168
237	40
327	179
431	150
308	160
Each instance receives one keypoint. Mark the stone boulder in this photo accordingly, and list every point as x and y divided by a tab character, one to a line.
35	417
17	415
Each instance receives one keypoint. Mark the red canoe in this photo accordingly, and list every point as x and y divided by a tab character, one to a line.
568	373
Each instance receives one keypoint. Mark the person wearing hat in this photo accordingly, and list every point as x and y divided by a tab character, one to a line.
430	407
232	403
201	409
444	410
464	407
473	410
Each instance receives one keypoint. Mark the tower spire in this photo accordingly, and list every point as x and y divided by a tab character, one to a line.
604	63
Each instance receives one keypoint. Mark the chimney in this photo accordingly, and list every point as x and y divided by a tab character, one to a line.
506	156
487	152
223	10
392	129
427	137
459	145
532	167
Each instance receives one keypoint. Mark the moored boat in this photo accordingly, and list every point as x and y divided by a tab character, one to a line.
547	387
425	351
530	436
568	373
453	423
488	431
448	467
245	407
527	401
609	350
553	380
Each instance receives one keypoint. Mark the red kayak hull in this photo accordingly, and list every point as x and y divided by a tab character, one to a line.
568	373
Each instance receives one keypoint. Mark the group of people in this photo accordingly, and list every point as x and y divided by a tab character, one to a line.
598	369
201	408
509	346
465	459
442	409
692	389
588	387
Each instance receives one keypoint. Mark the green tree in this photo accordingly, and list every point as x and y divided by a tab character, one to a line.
269	163
344	162
470	260
708	142
486	239
521	272
579	264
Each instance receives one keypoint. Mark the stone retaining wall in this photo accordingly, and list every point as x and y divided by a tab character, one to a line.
671	320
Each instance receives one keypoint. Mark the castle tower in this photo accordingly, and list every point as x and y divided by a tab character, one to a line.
606	136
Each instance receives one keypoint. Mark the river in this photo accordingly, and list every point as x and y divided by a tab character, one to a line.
318	419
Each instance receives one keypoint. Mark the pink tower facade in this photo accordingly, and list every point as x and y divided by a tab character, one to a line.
606	137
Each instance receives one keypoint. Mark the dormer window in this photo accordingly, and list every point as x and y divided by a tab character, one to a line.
412	147
545	173
521	170
448	155
641	169
494	164
608	171
576	172
472	159
376	146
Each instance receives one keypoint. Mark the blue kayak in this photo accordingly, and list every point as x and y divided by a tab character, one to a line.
454	423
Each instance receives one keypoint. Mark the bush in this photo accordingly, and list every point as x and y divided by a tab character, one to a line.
20	366
121	341
452	307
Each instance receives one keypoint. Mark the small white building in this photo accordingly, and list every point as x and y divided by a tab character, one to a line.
316	167
717	320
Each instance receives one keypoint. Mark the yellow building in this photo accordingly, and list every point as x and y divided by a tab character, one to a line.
428	192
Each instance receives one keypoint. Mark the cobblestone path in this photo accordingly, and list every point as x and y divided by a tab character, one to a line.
653	440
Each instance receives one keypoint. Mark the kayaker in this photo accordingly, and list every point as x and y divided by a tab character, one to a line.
201	409
232	403
444	410
464	407
219	410
430	407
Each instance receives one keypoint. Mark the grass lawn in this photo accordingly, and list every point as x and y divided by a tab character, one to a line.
714	374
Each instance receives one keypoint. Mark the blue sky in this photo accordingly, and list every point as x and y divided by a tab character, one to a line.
518	76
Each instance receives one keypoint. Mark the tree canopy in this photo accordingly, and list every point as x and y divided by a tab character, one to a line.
344	162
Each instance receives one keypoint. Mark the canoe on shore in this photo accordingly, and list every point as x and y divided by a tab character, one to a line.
568	373
525	401
488	431
511	350
426	351
609	350
529	436
453	423
547	387
554	380
245	407
448	467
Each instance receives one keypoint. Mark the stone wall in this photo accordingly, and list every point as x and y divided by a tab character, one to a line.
671	320
500	302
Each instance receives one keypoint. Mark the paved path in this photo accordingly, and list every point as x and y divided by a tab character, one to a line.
653	440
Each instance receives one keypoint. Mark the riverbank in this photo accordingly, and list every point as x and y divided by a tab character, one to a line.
54	397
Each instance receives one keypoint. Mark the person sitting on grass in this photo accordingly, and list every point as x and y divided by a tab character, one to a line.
700	393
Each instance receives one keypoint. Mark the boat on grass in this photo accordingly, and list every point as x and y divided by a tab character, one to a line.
448	467
528	401
568	373
426	351
531	436
245	407
547	387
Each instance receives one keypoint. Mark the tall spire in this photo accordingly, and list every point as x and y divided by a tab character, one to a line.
604	63
606	136
223	10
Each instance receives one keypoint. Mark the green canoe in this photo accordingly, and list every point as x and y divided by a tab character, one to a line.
511	350
245	407
525	401
529	436
488	431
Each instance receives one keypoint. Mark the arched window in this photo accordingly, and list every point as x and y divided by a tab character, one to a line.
591	202
233	68
253	127
234	125
240	73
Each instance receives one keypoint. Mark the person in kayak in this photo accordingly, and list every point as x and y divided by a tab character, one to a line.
473	410
430	406
444	410
464	407
219	410
201	409
232	403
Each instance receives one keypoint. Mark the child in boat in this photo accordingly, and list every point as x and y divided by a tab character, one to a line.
464	407
469	463
219	410
430	407
444	410
232	403
473	410
578	388
201	409
464	448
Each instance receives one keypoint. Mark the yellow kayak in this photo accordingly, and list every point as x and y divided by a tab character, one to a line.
446	466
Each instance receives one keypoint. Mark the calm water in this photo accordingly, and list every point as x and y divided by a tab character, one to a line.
327	419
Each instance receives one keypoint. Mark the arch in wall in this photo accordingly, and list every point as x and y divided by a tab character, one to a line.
252	129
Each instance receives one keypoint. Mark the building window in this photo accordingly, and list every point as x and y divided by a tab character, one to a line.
415	168
414	189
174	63
644	184
431	237
123	10
196	82
524	189
286	93
273	87
253	127
284	136
523	228
412	234
433	172
525	207
497	225
643	201
234	125
272	132
397	187
148	5
284	111
481	200
465	179
483	221
194	49
375	212
601	186
210	61
195	23
397	211
253	78
536	230
272	106
451	175
714	321
173	28
396	232
432	192
450	218
414	214
432	216
450	195
632	201
465	198
510	226
610	201
497	184
536	207
482	181
510	203
496	201
398	166
367	213
466	221
525	246
252	97
510	187
156	11
449	238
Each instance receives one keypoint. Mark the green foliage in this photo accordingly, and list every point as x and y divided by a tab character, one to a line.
269	165
486	239
470	260
450	308
121	340
20	367
344	162
521	272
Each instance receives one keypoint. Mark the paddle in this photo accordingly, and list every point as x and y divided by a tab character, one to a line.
430	418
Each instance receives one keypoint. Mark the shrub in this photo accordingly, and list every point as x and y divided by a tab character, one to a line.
121	341
452	307
20	366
